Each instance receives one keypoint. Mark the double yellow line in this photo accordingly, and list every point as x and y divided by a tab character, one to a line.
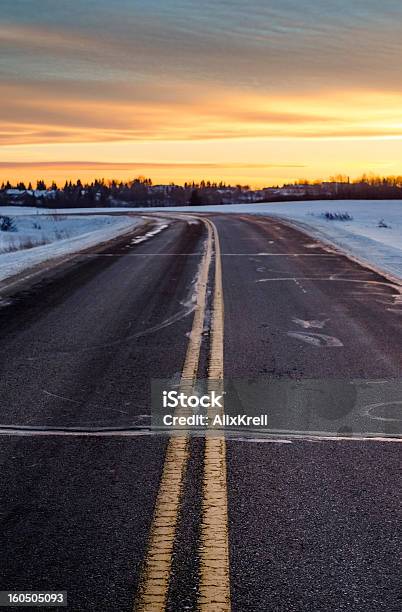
214	552
214	589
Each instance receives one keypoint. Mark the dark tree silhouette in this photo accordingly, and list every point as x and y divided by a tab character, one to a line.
195	199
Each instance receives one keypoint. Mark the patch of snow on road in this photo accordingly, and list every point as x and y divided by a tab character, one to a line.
315	339
149	234
310	324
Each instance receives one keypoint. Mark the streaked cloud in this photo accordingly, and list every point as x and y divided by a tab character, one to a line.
37	112
281	44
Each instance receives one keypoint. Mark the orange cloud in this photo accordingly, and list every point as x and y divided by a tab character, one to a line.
33	114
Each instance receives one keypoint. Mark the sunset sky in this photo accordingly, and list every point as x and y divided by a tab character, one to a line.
258	92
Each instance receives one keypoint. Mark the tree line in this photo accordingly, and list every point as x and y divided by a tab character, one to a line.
142	192
100	192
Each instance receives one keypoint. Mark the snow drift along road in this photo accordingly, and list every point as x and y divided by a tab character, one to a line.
49	236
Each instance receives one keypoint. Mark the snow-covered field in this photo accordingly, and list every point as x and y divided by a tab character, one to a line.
38	237
373	235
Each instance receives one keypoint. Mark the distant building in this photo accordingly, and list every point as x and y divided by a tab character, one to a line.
16	195
166	189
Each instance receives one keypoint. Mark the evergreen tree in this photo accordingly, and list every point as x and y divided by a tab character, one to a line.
195	199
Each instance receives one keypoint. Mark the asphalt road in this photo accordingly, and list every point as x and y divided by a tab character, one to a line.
312	501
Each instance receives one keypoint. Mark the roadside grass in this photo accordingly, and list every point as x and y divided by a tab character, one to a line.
22	244
45	230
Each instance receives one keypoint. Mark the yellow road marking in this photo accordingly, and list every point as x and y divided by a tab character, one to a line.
214	593
154	583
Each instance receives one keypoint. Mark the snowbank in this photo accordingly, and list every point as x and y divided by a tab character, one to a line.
40	237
